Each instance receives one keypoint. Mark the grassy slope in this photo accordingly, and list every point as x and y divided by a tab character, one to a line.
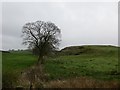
96	61
70	66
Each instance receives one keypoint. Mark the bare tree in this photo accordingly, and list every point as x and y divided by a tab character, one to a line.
45	36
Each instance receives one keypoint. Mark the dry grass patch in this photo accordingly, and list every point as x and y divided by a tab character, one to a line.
33	77
82	82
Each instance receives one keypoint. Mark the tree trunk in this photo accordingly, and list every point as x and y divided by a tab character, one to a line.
40	60
31	87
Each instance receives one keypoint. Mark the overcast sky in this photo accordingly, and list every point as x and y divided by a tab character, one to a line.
81	23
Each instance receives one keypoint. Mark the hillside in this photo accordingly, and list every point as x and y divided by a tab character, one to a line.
89	49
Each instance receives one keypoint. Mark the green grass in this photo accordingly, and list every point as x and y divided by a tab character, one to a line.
17	60
82	65
99	62
13	64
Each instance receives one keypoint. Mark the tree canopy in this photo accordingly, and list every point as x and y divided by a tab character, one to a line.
43	36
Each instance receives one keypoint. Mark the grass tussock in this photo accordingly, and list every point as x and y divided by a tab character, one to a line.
33	77
82	82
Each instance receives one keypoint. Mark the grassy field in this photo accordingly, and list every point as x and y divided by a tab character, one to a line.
98	62
13	64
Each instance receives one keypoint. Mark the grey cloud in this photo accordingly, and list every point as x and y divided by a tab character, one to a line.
80	23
